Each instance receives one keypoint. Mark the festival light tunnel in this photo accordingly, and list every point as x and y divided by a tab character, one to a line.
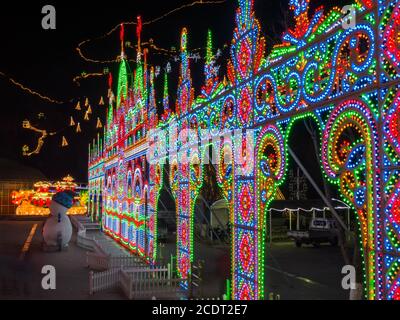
345	78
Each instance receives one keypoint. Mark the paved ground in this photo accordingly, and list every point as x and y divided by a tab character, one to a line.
304	273
293	273
20	277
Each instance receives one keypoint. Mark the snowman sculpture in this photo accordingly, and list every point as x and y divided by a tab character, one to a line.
57	230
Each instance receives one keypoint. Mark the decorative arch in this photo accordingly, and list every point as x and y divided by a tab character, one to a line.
307	74
351	166
155	185
270	161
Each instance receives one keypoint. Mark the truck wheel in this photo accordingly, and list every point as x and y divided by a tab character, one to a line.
298	244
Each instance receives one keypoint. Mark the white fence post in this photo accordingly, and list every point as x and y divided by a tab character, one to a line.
137	282
130	297
91	282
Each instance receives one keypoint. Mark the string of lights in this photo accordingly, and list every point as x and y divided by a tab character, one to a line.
332	80
43	135
171	53
31	91
84	75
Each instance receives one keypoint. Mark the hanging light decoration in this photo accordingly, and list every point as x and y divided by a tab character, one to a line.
303	77
78	106
72	122
64	142
99	124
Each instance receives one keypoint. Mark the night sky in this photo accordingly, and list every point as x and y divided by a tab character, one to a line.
46	61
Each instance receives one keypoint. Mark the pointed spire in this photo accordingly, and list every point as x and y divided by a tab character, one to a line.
209	67
110	116
86	118
78	106
122	39
140	74
122	88
185	90
139	27
152	105
110	82
86	102
72	122
101	103
152	94
145	79
110	101
244	13
184	55
78	128
89	109
98	145
209	54
167	110
105	136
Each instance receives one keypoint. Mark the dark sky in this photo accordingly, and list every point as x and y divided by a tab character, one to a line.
47	62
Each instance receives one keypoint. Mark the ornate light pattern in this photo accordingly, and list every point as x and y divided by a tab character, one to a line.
346	80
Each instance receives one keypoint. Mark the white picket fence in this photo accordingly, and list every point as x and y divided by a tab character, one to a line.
103	280
137	283
148	282
156	289
136	279
99	262
125	262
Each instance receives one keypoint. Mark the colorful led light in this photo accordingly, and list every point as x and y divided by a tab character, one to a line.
319	71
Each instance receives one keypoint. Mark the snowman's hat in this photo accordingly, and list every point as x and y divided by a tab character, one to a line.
64	198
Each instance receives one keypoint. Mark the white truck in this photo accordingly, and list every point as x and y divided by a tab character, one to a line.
320	231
